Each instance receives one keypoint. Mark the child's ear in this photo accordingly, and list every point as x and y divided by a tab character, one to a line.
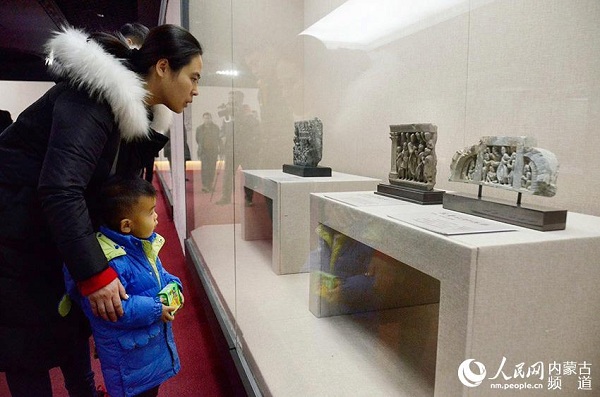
125	226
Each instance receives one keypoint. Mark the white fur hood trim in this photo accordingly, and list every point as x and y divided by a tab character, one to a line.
162	120
87	65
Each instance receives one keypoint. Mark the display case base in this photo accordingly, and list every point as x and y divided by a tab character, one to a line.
423	197
529	216
302	170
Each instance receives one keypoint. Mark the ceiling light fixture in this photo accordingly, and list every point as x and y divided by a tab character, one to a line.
368	24
230	72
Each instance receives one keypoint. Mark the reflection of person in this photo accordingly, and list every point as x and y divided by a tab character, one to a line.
238	120
137	353
135	34
353	276
92	124
5	119
276	122
208	138
346	261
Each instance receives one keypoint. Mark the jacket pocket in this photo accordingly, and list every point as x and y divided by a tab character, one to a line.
142	362
138	338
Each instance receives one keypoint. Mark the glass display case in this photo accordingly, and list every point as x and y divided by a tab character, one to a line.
474	68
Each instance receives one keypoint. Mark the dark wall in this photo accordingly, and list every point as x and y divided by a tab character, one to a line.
25	25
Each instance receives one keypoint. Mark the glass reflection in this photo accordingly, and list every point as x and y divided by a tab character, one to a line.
208	138
503	66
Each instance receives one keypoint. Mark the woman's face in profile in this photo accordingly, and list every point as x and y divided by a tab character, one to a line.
181	87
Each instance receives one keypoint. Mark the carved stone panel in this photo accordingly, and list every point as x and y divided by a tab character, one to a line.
510	163
308	142
413	158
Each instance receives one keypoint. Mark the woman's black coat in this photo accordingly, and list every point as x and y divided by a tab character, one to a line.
53	160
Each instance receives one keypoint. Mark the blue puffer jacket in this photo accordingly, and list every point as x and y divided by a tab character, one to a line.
138	351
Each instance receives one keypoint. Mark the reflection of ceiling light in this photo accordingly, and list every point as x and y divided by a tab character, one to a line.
232	73
368	24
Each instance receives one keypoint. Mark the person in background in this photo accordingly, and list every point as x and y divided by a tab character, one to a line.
135	34
54	158
137	352
209	140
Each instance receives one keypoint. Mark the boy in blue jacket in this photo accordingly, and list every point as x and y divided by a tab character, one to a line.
137	352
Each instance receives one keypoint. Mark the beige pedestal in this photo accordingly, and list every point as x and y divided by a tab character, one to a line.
290	227
524	296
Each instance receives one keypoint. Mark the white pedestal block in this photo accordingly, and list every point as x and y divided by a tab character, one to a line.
291	211
524	295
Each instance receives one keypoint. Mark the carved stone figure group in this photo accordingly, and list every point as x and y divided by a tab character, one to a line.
510	163
415	157
498	164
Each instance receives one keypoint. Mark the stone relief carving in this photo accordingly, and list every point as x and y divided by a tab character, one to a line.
510	163
308	142
413	155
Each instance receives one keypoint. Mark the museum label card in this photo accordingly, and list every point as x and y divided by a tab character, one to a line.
450	223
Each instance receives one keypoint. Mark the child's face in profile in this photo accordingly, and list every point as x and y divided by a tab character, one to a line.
143	218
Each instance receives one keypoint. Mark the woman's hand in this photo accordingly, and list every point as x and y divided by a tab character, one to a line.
106	302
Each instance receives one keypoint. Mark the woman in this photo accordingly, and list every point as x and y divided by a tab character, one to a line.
92	124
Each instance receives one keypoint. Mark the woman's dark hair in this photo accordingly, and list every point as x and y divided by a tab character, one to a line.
170	42
118	195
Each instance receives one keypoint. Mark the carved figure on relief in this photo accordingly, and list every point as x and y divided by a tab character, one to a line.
308	142
413	155
509	163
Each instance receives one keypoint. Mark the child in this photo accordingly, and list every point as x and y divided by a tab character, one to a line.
137	352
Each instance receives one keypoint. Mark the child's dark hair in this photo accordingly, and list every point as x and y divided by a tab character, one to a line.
171	42
118	195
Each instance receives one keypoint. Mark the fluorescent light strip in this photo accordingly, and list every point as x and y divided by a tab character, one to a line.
367	24
232	73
